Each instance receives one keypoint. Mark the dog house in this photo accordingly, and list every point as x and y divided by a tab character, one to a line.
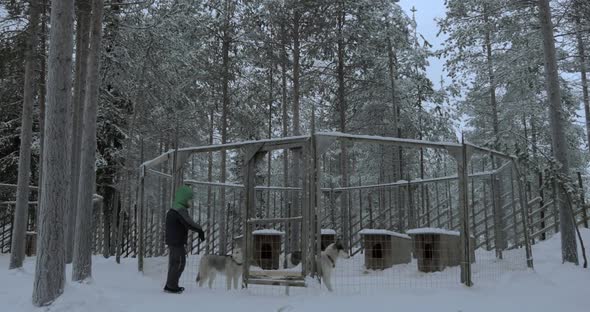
437	249
384	248
267	248
328	236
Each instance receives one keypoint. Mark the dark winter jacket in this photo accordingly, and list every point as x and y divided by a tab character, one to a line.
178	222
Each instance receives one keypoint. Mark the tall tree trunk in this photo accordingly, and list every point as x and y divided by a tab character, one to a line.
296	107
583	70
83	37
492	81
19	228
226	46
210	179
342	126
42	91
270	101
569	251
396	151
82	262
164	199
50	267
296	71
124	203
107	210
285	105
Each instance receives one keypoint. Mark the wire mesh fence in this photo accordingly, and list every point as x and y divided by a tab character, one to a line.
497	224
7	208
382	253
440	229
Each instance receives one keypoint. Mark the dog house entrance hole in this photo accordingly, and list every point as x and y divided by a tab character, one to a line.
377	251
266	252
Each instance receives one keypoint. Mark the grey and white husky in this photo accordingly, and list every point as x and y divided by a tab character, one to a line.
327	262
230	266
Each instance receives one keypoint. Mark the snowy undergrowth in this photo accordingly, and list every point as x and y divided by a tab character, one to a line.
551	287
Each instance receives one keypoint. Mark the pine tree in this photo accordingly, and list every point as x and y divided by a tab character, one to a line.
82	36
581	48
24	164
50	267
556	116
82	261
226	46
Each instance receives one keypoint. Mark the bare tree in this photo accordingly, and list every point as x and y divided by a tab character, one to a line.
82	36
569	251
50	267
19	229
82	262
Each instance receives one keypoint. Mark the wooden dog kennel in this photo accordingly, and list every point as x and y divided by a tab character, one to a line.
384	248
267	248
437	248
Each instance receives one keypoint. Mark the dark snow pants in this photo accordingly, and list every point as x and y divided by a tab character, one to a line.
176	263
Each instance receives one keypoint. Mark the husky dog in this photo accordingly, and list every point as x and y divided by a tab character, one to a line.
231	266
327	262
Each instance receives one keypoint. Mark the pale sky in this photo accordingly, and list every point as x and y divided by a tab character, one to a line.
427	11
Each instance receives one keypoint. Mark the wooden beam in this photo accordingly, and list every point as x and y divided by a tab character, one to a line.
275	220
388	140
534	201
276	273
32	187
277	282
267	145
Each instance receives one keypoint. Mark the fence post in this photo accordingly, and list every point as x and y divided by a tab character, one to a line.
485	214
462	155
473	204
541	205
317	205
499	243
556	200
249	176
524	212
304	226
370	206
437	204
411	208
513	205
141	217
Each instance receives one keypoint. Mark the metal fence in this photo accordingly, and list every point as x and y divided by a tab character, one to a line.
437	231
8	205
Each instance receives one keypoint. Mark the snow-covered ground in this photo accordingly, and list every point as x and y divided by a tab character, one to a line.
498	287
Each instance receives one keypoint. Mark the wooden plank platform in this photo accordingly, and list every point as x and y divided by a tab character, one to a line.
277	282
276	273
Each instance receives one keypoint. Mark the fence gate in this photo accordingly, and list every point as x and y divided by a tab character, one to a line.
271	244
